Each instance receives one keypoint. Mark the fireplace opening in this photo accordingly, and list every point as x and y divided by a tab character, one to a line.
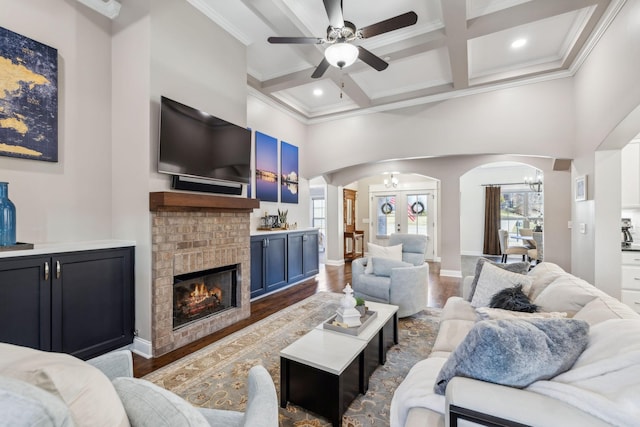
204	293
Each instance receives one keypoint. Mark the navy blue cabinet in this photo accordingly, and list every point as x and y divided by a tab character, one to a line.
268	263
281	259
81	303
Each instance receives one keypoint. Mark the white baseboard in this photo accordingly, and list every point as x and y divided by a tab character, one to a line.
142	347
451	273
334	262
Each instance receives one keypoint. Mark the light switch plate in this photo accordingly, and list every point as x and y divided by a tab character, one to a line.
583	228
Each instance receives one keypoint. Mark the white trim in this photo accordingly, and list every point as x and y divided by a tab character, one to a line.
451	273
142	347
334	262
210	13
110	8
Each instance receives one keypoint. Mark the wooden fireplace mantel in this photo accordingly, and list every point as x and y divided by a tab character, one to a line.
176	201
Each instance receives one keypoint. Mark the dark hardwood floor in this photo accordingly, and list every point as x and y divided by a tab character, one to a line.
330	279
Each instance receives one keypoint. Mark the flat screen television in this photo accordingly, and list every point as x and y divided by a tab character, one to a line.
196	144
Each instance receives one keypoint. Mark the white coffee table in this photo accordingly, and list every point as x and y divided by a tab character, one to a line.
324	370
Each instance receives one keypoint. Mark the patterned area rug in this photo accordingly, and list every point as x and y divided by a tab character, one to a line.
215	376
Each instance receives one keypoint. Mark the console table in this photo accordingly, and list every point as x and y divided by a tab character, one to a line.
325	370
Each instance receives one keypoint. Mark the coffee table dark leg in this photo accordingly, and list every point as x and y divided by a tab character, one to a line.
284	382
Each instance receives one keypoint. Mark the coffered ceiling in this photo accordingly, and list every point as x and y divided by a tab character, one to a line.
457	47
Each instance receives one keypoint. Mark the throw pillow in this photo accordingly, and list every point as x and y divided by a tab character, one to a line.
87	392
516	352
487	313
492	280
567	293
515	267
149	405
512	299
383	266
391	252
23	404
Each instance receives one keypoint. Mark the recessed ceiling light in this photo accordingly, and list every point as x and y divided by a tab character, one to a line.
518	43
317	92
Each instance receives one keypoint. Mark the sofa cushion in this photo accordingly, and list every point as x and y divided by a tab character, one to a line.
148	405
605	308
487	313
87	392
543	274
391	252
25	405
492	280
383	266
514	267
376	286
567	293
516	352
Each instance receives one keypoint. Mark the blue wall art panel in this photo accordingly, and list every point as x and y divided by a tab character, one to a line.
28	98
266	168
288	173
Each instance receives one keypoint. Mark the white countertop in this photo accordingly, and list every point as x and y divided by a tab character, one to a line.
328	352
49	248
261	232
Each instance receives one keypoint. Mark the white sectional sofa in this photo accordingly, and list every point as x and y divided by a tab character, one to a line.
601	388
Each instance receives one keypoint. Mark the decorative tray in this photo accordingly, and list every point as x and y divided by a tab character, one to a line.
354	330
17	247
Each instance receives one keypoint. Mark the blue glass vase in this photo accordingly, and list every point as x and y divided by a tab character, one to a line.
7	217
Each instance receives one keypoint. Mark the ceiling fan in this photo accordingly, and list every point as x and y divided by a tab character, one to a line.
340	34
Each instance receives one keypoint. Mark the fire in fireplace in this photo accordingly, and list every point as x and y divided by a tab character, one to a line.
204	293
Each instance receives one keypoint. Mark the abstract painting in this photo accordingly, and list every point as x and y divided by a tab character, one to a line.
28	98
266	168
288	173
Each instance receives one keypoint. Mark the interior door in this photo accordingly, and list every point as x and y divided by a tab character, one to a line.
404	211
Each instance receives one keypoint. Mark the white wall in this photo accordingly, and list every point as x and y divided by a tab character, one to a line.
69	200
536	119
607	93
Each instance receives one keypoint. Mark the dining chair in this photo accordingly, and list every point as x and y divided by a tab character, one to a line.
507	249
537	253
527	232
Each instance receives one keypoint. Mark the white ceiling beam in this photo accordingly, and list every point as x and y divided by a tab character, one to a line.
454	14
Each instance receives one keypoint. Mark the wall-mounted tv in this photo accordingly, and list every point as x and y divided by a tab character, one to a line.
196	144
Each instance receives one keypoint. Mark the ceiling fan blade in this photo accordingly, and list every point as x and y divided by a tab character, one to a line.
371	59
334	12
295	40
397	22
320	69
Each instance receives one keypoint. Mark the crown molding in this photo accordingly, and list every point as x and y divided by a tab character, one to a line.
110	8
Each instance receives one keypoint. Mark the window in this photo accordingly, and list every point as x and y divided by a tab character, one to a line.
386	215
417	214
319	219
520	209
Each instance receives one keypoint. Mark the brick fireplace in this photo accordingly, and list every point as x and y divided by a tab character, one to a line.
193	233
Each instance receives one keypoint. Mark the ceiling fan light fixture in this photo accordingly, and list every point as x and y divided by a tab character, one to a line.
341	54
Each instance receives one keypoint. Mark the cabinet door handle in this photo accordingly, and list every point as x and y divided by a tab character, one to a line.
57	269
46	270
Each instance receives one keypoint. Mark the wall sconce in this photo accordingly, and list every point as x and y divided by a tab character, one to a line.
391	182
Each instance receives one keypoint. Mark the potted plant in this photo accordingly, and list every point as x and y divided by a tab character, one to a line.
360	306
282	217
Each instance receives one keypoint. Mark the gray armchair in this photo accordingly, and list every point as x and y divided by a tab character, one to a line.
402	283
149	405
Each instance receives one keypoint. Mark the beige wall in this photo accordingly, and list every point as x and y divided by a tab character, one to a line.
607	117
69	200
